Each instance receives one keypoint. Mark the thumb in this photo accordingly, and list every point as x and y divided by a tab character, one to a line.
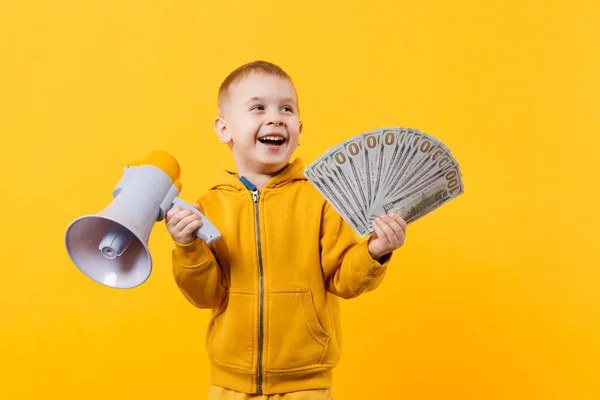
372	236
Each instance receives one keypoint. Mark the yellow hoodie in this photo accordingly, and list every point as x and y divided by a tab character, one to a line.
273	281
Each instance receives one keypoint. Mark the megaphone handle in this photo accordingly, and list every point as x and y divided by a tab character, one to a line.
207	232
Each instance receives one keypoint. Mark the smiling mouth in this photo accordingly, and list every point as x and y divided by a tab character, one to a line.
272	140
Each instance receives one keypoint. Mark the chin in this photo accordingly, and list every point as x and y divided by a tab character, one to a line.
273	166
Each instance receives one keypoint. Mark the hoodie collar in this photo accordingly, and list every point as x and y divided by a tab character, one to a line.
230	180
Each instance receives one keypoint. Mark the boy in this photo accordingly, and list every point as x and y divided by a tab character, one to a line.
285	257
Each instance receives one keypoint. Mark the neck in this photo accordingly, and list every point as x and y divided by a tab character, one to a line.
259	179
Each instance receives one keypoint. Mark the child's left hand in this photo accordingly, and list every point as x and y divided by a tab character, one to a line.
389	235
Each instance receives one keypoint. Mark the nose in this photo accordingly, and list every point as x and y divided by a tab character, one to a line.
275	119
276	122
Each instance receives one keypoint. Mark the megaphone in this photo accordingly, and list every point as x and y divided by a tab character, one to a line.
111	247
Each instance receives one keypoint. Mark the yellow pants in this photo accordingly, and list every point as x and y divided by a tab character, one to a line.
219	393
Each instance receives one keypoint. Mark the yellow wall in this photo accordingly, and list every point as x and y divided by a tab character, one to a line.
495	296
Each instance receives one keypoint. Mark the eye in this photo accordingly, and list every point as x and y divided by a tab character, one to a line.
257	107
288	109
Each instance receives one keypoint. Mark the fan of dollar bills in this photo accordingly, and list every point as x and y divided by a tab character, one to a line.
387	170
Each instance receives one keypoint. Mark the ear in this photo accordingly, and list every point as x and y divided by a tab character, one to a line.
221	130
300	126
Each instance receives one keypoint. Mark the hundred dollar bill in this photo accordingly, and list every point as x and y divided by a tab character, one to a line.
436	161
398	164
373	153
347	171
386	170
391	146
391	151
382	148
425	182
408	160
335	181
410	217
424	198
355	152
422	148
333	199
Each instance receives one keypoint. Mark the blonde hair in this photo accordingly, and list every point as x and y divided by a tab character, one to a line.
254	67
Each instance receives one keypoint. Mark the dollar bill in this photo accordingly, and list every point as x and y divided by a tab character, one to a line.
436	161
397	163
373	153
418	161
391	170
356	160
348	173
329	193
419	203
392	150
334	179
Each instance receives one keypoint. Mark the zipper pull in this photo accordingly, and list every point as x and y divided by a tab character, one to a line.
250	186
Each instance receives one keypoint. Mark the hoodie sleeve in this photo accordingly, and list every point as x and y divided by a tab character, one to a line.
198	274
347	264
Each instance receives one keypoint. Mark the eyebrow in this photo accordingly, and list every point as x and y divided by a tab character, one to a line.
285	100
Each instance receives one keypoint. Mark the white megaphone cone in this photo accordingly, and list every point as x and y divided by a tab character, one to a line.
111	247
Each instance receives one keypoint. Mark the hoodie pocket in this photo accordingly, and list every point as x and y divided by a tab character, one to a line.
295	336
231	336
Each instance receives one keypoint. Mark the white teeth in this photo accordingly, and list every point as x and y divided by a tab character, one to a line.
278	138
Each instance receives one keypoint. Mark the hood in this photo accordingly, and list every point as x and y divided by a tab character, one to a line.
229	180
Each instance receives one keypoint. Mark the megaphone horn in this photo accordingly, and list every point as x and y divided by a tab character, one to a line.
111	247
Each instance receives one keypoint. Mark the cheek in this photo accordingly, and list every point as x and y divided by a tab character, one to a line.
294	125
243	130
293	122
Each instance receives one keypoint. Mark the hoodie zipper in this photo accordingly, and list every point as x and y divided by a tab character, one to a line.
261	282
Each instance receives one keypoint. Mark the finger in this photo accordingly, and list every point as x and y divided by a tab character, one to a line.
390	235
197	206
191	227
395	222
172	212
178	217
374	233
379	233
401	233
400	221
401	238
181	225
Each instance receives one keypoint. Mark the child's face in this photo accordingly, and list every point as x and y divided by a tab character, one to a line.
260	122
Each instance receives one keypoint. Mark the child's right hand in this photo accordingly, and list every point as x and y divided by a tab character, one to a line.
181	224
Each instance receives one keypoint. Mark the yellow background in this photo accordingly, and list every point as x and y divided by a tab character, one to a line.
495	295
